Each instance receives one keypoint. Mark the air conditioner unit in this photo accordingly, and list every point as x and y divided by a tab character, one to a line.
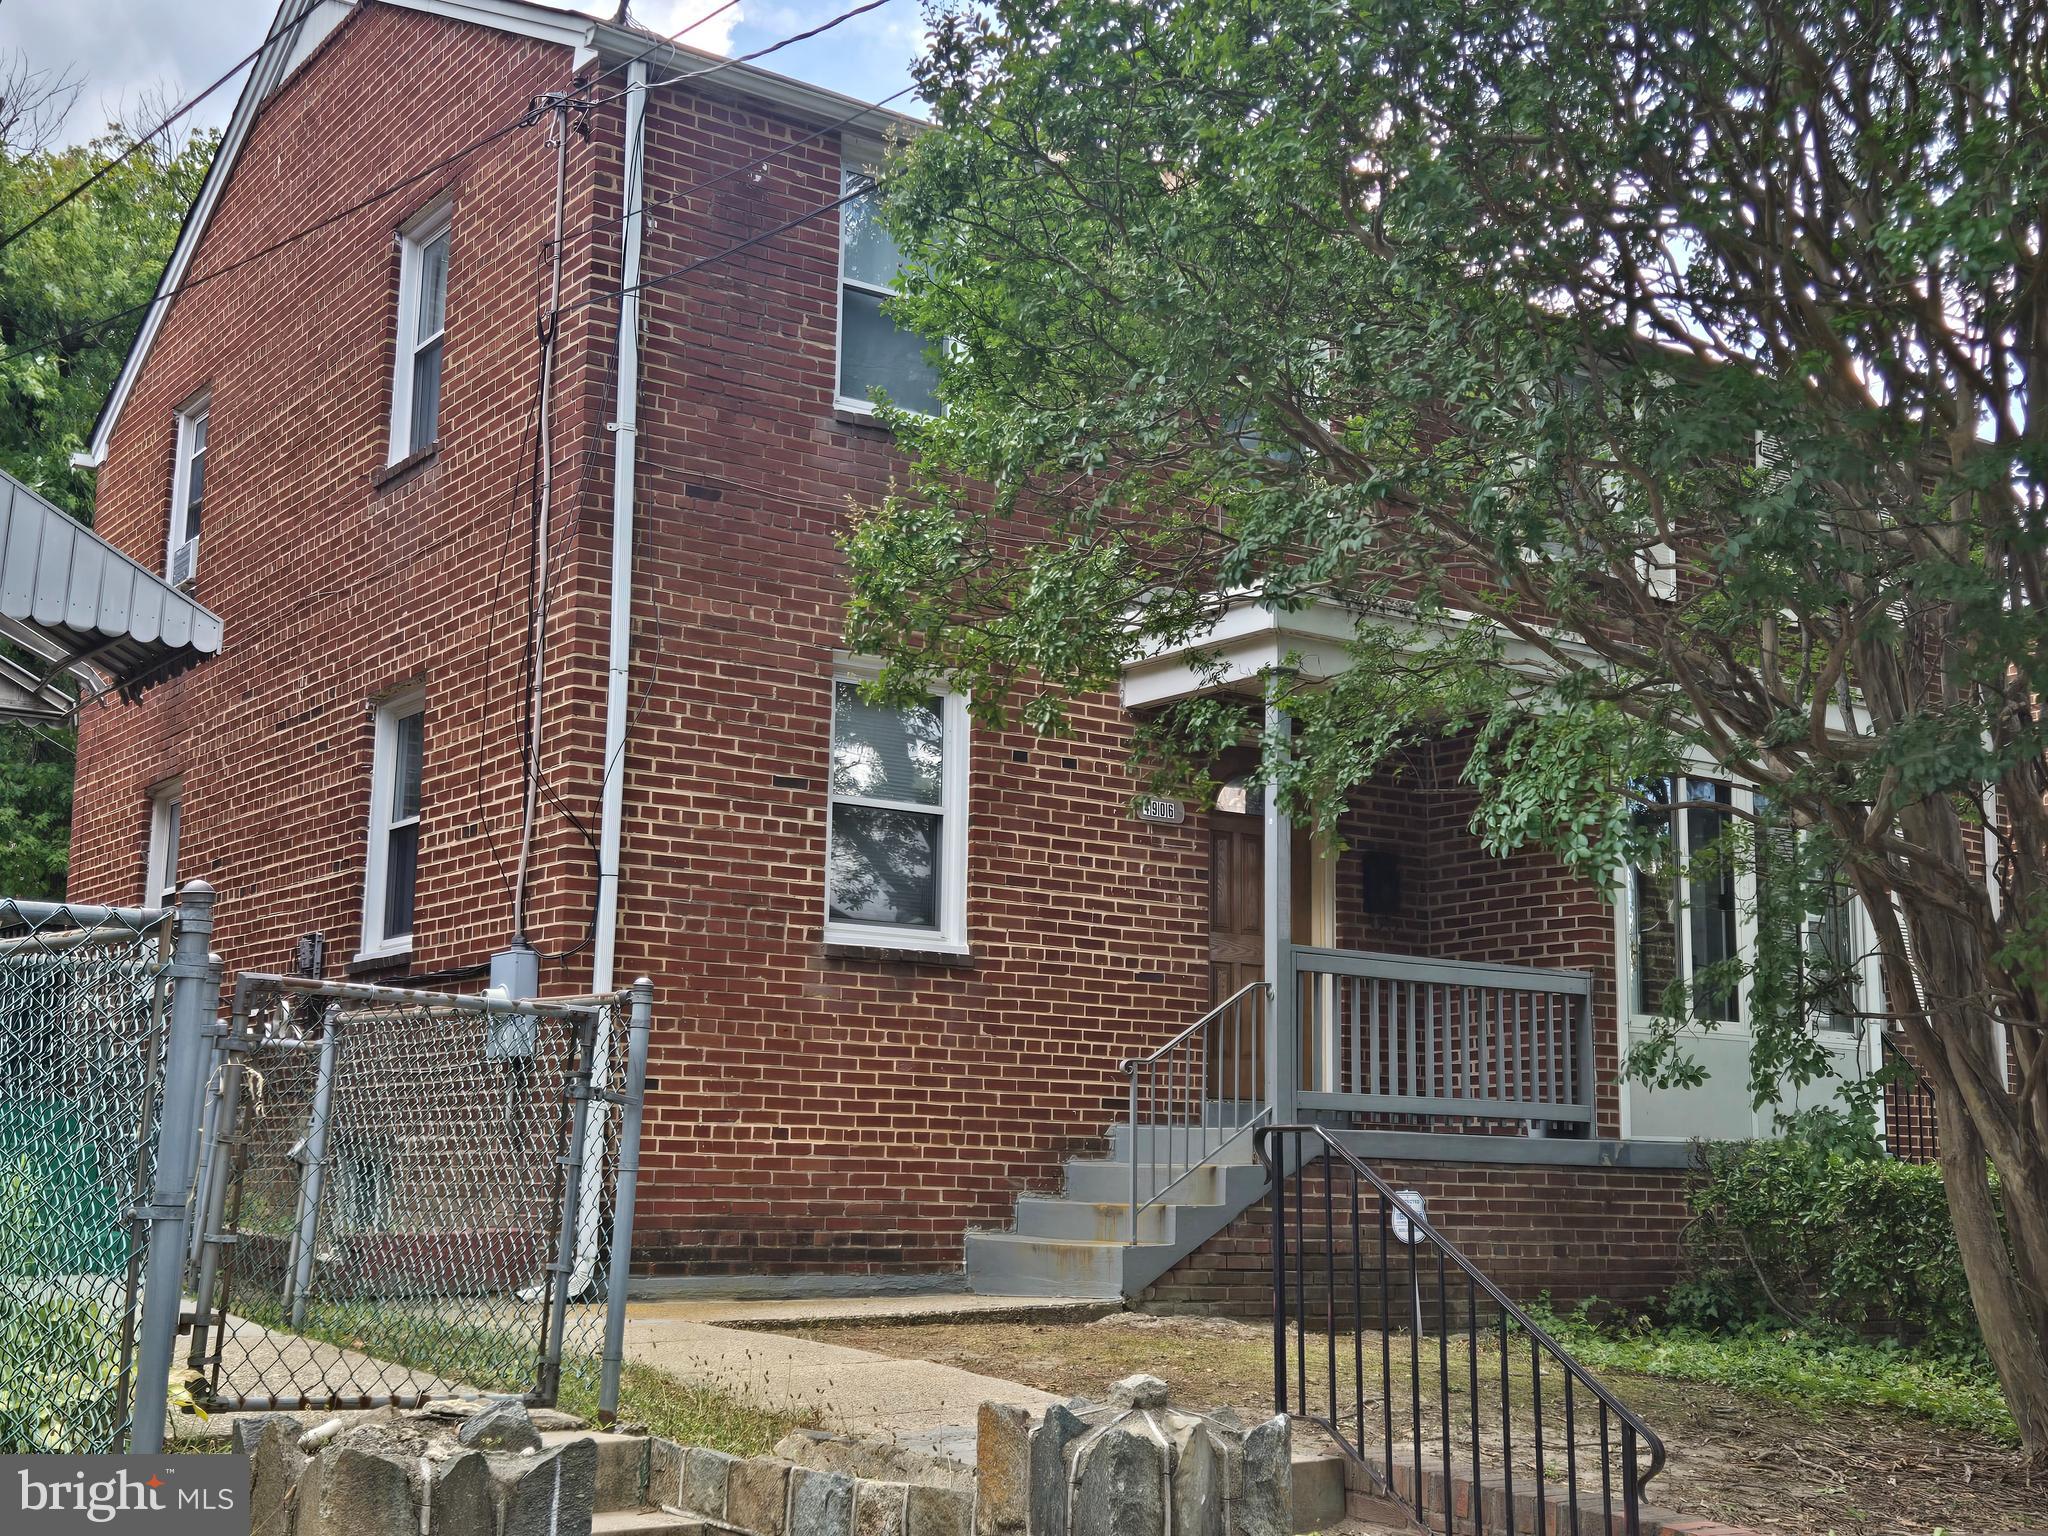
184	562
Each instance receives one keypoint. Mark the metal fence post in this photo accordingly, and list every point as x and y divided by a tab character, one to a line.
1283	1042
564	1267
638	1028
193	1004
212	1208
307	1236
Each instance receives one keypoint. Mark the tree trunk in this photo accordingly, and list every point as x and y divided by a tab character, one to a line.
2018	1352
2002	1236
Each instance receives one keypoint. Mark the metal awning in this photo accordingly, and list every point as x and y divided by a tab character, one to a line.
71	603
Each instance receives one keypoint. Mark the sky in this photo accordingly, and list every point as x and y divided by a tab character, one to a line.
128	52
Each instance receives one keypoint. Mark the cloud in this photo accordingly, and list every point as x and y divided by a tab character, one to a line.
125	50
668	17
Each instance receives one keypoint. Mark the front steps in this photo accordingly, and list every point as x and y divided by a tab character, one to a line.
1076	1243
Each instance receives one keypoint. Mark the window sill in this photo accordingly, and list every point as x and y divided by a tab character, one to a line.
405	468
897	954
848	414
372	961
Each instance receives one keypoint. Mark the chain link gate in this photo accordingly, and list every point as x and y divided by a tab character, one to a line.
103	1023
413	1194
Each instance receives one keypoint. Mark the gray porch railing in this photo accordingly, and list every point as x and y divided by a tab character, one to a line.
1397	1035
1194	1096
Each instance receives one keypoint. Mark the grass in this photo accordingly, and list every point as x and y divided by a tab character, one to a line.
502	1360
1805	1369
1752	1441
685	1412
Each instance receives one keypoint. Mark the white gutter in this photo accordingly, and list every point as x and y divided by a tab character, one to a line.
625	443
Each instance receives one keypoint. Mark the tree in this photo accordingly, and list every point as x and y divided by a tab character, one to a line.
99	255
1646	381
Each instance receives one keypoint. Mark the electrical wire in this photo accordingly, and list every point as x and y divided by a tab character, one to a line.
87	328
695	266
141	139
695	75
675	199
68	338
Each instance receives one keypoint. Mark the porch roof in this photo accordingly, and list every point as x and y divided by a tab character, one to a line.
1246	642
1250	639
69	597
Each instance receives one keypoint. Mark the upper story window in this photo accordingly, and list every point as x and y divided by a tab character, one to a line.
166	821
188	495
390	874
422	334
896	834
874	352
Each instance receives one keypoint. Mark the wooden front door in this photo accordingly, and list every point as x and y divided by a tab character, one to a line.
1237	942
1237	917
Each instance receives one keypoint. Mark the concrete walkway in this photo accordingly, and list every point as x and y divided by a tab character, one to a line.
854	1391
906	1307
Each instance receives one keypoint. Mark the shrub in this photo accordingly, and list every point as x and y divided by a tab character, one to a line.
1820	1227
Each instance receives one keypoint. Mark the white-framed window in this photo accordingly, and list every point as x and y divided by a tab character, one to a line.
874	352
188	495
422	334
391	871
896	820
1680	927
166	821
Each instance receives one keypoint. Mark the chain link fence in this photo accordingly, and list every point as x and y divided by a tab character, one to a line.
102	1013
411	1194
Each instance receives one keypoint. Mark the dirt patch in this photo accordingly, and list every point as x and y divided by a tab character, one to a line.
1743	1460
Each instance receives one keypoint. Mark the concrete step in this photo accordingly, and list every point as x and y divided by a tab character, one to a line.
1318	1489
1018	1264
647	1522
1095	1220
1221	1139
1232	1184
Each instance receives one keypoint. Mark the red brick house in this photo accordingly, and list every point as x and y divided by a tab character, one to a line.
899	960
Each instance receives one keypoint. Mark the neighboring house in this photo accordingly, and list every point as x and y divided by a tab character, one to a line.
898	959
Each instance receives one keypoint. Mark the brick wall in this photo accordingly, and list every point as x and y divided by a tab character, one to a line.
337	585
1567	1231
810	1110
1459	902
820	1109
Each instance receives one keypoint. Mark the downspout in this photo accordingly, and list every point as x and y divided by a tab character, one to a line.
625	436
625	443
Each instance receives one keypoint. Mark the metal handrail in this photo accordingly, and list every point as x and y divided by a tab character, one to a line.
1272	1153
1159	1053
1194	1072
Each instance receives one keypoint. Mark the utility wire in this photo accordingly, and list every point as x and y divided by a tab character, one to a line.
663	279
660	279
141	139
526	118
745	58
87	328
675	199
